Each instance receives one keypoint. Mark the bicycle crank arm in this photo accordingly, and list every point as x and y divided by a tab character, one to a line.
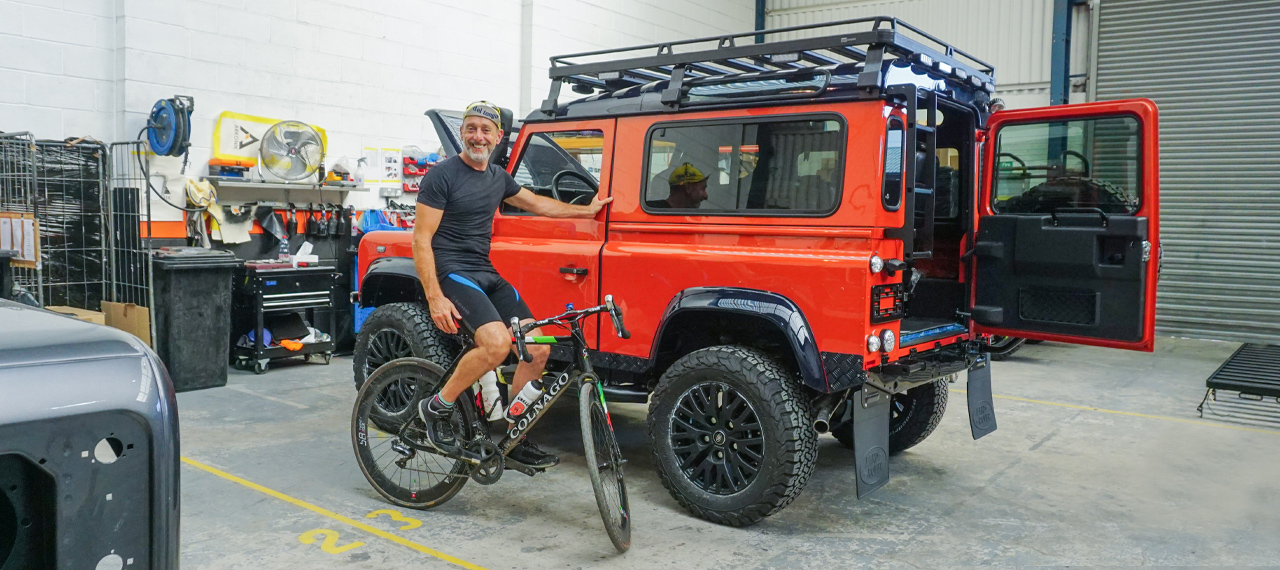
458	455
530	471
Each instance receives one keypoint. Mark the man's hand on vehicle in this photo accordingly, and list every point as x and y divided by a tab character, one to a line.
443	313
597	203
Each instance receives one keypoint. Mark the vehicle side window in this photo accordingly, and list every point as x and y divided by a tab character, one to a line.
752	167
574	157
1082	163
893	164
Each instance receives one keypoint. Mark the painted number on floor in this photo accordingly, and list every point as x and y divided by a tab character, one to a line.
409	523
330	543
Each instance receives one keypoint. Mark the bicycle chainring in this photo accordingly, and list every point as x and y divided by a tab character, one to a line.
492	462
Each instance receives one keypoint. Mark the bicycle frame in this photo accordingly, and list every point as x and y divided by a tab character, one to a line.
579	367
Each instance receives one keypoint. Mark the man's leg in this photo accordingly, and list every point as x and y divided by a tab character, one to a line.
508	303
492	344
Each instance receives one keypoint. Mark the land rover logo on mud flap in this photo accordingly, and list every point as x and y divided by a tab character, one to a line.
875	466
983	416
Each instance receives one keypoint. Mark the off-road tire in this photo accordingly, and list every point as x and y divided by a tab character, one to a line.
914	415
790	445
412	323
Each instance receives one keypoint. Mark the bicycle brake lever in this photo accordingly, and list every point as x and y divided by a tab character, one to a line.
519	338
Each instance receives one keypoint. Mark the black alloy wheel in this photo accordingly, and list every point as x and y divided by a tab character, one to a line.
717	439
732	434
387	345
399	330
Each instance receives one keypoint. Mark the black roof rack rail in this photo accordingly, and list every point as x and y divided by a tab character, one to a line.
631	66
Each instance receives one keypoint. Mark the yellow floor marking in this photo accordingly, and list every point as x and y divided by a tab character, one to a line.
1134	414
335	516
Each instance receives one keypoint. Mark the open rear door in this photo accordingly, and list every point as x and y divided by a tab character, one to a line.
1067	246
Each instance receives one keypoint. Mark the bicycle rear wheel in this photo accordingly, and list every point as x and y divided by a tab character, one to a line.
604	463
386	403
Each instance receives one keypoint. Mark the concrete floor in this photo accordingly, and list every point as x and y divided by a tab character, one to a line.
1138	481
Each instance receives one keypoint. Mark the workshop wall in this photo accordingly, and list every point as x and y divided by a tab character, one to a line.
364	71
57	71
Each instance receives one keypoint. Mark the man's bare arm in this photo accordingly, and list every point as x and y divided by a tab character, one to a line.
543	206
426	222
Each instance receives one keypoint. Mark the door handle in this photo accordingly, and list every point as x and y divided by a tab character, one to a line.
574	270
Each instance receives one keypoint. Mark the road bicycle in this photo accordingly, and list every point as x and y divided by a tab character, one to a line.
391	444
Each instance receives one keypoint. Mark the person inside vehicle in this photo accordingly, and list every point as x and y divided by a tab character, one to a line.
688	189
451	238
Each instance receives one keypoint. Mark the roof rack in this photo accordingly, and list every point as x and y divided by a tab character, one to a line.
631	66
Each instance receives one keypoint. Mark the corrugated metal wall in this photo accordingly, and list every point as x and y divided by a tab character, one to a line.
1012	35
1213	67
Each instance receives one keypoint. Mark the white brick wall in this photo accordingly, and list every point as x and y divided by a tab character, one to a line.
363	70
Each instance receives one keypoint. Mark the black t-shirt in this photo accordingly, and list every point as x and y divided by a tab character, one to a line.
469	198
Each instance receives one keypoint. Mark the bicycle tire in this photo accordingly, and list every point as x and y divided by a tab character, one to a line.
372	444
604	464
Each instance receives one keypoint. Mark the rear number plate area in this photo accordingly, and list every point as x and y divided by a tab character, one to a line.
887	303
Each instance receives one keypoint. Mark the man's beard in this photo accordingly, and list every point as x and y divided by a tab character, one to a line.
481	156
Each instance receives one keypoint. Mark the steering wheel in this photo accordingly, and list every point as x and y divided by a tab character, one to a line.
1020	161
1088	170
555	182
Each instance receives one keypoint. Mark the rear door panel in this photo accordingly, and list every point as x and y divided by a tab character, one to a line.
1068	233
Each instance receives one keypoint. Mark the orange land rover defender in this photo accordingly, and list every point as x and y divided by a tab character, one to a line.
807	235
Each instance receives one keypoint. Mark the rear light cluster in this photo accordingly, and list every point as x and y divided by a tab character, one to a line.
883	340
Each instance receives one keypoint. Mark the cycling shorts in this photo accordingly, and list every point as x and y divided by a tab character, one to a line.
483	297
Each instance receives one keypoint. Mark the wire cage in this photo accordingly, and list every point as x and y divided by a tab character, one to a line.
17	194
73	213
130	224
92	206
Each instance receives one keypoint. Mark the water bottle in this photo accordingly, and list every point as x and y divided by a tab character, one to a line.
489	393
527	396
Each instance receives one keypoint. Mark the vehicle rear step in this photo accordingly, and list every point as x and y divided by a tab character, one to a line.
918	330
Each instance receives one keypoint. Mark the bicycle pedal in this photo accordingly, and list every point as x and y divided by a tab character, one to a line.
522	468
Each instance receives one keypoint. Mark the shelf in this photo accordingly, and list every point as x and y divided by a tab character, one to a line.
220	183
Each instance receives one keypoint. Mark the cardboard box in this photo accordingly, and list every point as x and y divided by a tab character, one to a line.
81	314
129	318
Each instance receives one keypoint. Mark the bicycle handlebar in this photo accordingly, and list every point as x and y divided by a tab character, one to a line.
518	331
519	338
616	314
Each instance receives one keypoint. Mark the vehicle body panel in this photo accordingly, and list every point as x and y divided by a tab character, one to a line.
68	386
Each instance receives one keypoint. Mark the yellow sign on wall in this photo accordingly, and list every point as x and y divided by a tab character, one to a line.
237	136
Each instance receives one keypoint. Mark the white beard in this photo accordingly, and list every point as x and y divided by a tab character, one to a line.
481	156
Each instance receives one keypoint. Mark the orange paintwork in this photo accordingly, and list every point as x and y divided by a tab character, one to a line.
1146	113
820	263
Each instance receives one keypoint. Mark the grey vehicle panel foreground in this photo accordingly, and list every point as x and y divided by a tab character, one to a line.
88	446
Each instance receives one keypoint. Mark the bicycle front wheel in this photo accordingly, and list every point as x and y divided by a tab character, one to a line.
386	403
604	463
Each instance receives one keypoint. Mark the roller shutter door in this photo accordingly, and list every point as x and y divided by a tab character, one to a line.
1213	68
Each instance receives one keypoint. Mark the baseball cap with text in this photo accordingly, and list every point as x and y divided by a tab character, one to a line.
485	110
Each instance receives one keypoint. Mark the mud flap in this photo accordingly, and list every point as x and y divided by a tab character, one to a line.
870	417
982	410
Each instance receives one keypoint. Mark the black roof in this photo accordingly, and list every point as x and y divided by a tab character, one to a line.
795	69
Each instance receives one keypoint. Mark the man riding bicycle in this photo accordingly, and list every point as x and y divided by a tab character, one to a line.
451	238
